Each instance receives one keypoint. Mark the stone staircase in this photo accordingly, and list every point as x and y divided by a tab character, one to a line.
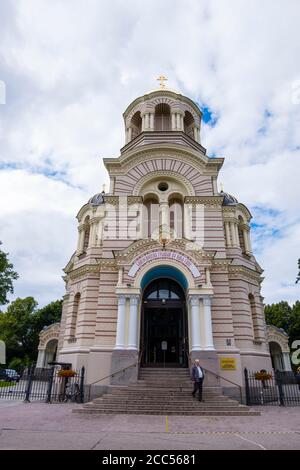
165	391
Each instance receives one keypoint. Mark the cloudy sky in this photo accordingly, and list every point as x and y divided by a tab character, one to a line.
70	68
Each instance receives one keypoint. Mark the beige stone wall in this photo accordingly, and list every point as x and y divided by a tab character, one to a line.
99	272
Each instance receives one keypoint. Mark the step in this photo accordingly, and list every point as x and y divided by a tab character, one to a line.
171	413
163	403
162	407
172	393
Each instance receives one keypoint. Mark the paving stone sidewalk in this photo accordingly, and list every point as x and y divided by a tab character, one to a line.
54	426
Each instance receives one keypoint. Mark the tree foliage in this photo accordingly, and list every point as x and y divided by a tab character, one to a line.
284	316
7	276
298	276
21	324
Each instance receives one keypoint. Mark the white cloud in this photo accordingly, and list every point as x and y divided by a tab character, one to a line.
71	68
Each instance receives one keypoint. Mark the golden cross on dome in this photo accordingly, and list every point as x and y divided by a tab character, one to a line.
161	79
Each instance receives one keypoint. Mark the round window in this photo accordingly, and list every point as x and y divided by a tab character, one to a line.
163	186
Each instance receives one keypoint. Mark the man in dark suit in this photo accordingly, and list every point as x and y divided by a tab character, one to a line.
197	378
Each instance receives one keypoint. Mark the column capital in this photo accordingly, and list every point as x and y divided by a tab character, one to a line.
206	300
194	299
122	299
134	299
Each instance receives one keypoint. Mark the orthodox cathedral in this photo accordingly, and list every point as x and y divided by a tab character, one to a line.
163	272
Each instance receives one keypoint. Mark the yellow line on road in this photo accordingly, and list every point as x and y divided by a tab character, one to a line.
167	424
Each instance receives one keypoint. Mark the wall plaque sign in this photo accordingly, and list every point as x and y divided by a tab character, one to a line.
228	363
164	255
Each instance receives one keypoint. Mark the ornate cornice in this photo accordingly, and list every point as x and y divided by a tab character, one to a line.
141	247
164	173
208	201
246	272
123	164
83	270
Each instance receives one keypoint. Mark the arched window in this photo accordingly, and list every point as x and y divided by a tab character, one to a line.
162	117
241	234
74	325
254	317
152	214
163	289
136	124
189	124
176	217
86	237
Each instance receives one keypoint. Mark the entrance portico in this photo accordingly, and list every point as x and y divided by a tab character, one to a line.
164	318
163	221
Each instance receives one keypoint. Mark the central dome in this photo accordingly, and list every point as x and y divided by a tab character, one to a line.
162	110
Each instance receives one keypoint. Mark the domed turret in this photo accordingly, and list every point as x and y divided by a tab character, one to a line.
229	200
162	110
97	199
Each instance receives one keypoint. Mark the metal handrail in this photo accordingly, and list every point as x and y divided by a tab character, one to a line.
220	377
120	370
226	380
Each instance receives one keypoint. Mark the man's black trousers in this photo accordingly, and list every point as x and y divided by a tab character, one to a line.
198	386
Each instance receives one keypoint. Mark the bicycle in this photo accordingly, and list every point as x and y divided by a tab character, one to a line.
73	396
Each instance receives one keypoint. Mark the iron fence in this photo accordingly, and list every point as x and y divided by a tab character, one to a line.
50	385
272	388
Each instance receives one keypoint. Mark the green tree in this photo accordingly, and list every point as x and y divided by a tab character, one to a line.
7	276
21	324
47	315
16	328
284	316
279	315
298	276
294	331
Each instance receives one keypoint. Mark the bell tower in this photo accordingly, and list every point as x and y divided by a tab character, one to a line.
162	110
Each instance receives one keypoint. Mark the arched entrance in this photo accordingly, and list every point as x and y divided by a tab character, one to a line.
164	334
276	356
50	352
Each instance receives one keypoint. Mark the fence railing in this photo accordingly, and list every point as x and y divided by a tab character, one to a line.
49	385
272	388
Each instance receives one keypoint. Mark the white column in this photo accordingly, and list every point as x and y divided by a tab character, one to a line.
151	121
41	358
246	240
249	241
195	133
178	123
207	277
195	323
237	237
215	187
173	116
93	230
209	342
227	233
120	276
233	233
286	361
120	337
133	322
80	241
